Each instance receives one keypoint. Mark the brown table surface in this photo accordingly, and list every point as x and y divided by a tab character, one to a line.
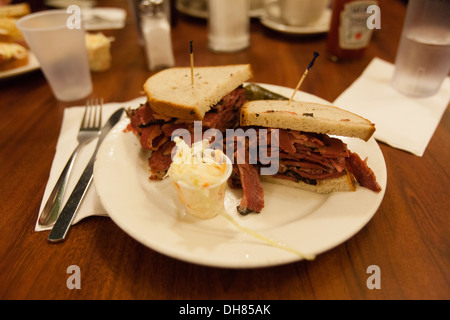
408	237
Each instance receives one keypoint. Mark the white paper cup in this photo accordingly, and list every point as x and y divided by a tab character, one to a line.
60	51
204	202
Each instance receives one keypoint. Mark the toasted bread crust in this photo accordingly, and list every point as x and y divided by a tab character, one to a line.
16	63
174	110
12	56
15	10
9	32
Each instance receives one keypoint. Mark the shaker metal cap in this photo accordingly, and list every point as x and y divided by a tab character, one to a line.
152	6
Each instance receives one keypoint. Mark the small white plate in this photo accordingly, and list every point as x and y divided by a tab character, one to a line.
274	22
33	64
149	211
65	3
199	9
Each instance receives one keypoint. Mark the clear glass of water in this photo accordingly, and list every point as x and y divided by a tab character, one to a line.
423	56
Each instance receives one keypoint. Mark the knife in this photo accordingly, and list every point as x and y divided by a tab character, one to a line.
64	221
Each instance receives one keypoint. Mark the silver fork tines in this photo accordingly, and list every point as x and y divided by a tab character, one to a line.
89	129
90	119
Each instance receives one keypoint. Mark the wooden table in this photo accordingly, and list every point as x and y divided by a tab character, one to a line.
408	237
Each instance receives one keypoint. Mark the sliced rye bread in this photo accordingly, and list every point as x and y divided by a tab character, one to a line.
170	92
343	183
307	117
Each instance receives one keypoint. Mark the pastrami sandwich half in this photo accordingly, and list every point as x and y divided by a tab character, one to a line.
174	102
310	155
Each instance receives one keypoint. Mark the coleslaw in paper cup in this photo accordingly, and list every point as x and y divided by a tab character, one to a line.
200	176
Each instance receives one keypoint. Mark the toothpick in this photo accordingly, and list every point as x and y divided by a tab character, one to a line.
316	54
192	64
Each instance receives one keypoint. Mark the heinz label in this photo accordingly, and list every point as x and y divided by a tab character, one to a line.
353	30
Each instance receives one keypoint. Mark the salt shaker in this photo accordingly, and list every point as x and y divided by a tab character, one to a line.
156	30
228	25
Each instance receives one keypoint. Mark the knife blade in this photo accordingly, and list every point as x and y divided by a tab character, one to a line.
64	221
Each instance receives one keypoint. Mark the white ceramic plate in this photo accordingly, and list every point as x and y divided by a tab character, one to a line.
65	3
33	64
274	22
150	211
199	8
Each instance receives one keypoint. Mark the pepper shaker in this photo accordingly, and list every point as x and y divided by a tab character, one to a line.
156	32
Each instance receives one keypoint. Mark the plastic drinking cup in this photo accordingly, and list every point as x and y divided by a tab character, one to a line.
61	52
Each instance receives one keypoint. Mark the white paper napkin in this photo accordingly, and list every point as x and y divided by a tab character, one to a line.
402	122
67	142
103	18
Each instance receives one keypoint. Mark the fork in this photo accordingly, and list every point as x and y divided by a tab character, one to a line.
89	129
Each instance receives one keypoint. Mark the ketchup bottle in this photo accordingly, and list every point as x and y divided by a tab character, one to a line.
349	34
